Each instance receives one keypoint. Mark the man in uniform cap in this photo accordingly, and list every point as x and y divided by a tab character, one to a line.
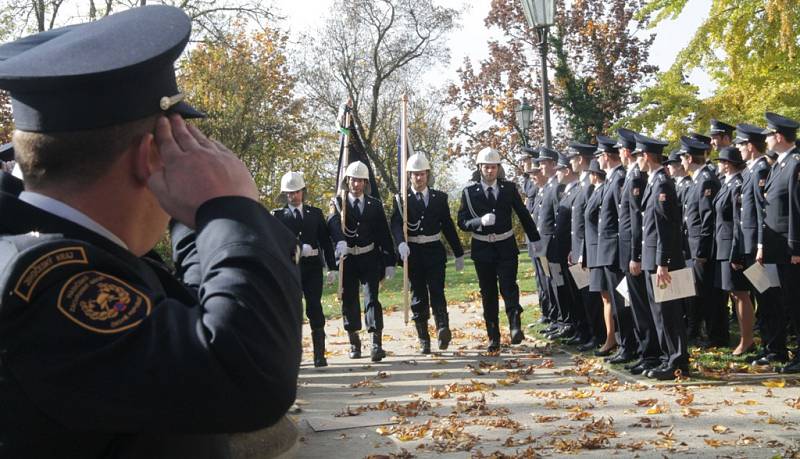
698	213
428	215
542	284
105	351
366	245
661	253
485	211
683	182
721	134
707	154
529	188
779	236
308	225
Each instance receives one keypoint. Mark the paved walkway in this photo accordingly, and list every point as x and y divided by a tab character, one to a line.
531	400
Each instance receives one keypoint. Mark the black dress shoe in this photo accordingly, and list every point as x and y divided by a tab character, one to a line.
660	366
770	358
575	341
543	320
606	353
622	358
644	367
550	329
637	370
587	346
791	367
667	373
634	364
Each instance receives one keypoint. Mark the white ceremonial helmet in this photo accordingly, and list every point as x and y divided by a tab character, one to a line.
292	181
488	156
358	170
417	162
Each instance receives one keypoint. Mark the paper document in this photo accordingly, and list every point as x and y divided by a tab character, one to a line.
682	286
580	275
763	276
545	266
555	270
622	289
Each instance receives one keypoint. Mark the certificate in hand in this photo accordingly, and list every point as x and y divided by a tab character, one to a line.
763	276
580	275
682	286
545	265
622	289
555	270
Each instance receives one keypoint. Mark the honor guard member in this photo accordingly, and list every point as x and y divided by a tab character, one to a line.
366	244
752	144
485	211
661	253
720	134
698	214
729	273
565	284
8	182
308	225
608	247
779	236
428	218
106	353
580	157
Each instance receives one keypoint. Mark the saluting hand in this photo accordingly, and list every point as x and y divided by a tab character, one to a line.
194	169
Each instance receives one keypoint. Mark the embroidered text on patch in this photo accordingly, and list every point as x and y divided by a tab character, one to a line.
46	263
102	303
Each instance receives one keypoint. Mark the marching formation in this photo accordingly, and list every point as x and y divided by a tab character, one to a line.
607	226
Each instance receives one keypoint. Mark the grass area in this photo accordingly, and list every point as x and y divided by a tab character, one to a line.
460	287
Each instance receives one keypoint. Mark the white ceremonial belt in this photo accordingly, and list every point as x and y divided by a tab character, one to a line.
314	253
493	237
425	239
360	250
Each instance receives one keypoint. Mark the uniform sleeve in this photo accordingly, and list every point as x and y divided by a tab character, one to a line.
667	246
524	217
759	184
397	221
334	224
449	229
384	239
120	349
635	210
465	219
324	236
709	190
737	246
794	210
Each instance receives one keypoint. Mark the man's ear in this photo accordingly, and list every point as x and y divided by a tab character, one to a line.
146	158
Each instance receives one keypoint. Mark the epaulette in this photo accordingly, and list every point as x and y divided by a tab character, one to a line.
796	156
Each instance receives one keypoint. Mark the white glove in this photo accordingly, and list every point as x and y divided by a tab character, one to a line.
487	220
331	277
341	248
389	273
306	252
404	250
460	263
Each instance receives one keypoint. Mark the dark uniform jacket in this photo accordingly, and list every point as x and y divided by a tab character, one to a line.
698	212
682	186
546	217
563	237
780	233
754	180
608	223
727	208
578	226
530	190
370	228
591	215
427	221
311	230
508	200
11	184
662	236
105	354
630	217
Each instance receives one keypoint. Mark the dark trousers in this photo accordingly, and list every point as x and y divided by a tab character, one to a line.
426	271
543	285
592	304
622	314
670	327
710	305
504	273
565	300
311	279
790	278
645	327
366	270
571	302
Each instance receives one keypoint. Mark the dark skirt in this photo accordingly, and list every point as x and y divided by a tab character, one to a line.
728	279
597	280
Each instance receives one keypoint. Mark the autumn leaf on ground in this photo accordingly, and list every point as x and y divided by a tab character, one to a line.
542	418
685	400
647	402
720	429
774	383
690	412
657	409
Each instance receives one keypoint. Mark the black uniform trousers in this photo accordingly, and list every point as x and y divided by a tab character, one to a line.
543	285
789	275
670	327
710	305
592	304
365	269
426	271
625	333
503	272
644	325
565	299
311	279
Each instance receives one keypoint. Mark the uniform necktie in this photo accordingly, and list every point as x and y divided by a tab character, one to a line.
356	207
420	199
490	197
297	215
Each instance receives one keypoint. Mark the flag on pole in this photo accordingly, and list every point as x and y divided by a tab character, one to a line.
356	152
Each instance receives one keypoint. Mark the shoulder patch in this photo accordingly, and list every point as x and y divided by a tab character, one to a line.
46	263
102	303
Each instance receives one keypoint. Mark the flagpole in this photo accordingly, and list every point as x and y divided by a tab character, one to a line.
404	197
343	193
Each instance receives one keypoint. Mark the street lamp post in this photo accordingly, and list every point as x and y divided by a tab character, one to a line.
524	114
539	14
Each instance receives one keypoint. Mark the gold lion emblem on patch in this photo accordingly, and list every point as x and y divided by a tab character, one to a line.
102	303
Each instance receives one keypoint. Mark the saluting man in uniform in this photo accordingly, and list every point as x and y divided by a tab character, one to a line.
428	216
752	144
366	244
485	211
105	352
779	236
308	225
661	253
